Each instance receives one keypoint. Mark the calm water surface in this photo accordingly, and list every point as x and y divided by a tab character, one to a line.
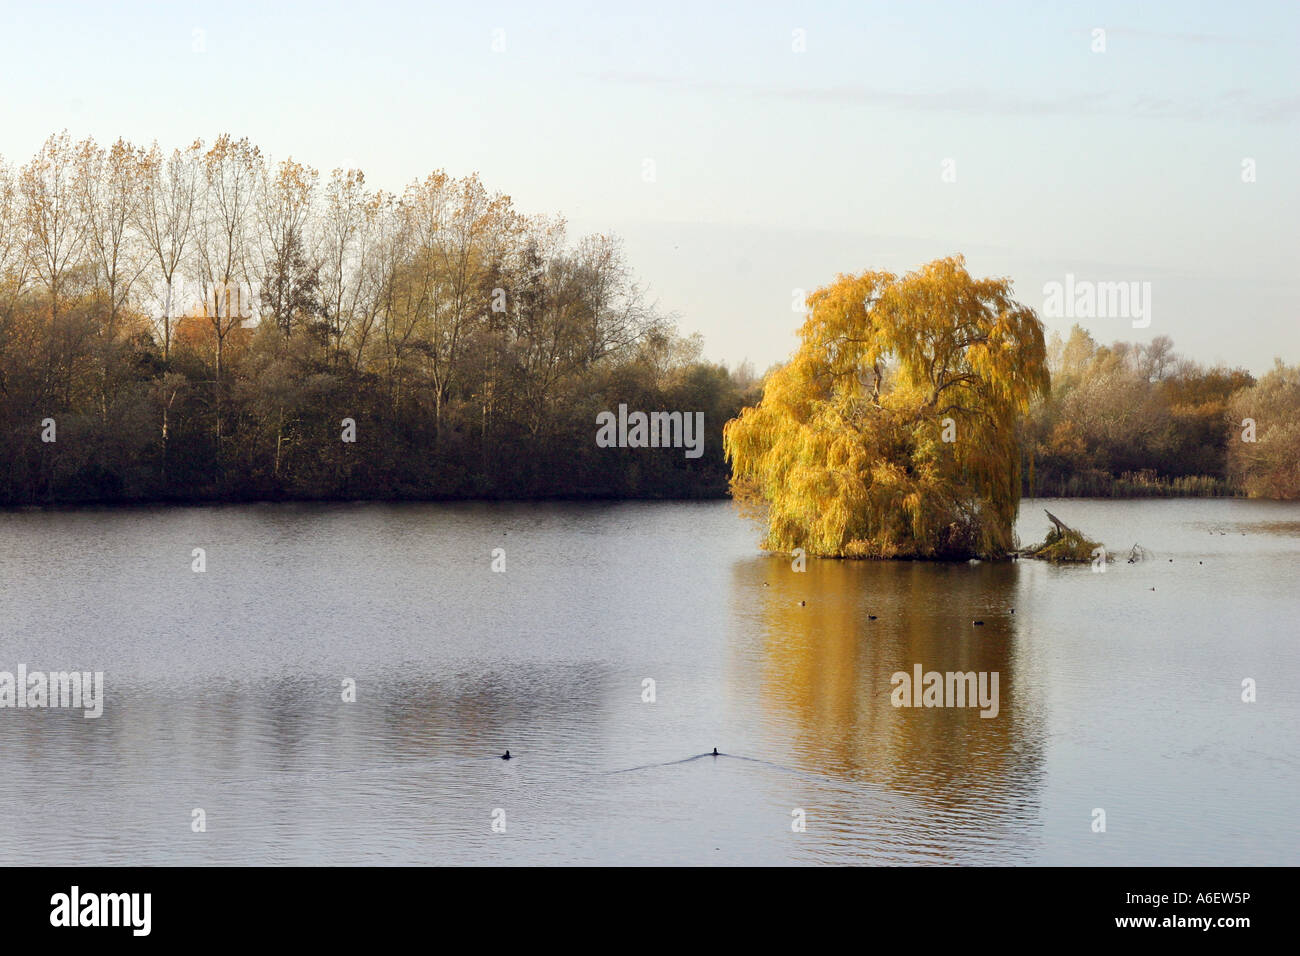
224	690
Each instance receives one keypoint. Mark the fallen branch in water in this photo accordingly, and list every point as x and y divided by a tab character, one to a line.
1064	544
1138	553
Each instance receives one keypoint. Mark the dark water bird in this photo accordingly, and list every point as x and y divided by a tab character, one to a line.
871	617
1150	589
977	623
801	603
715	753
1013	610
506	755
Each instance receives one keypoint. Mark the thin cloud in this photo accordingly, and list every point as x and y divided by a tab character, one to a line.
1231	104
1167	36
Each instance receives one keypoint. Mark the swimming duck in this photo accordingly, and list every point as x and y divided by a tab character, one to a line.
506	755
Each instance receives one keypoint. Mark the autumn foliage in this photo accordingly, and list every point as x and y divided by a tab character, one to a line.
892	432
1129	420
200	323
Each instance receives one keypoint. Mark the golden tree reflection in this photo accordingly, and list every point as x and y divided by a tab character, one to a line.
825	666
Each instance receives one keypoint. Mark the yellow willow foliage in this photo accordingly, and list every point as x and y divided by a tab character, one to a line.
845	452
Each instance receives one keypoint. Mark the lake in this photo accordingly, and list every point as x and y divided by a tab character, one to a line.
224	690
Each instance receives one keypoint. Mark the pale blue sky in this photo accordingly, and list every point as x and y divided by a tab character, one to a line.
774	169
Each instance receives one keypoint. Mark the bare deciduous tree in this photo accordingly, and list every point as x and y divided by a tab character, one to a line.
165	215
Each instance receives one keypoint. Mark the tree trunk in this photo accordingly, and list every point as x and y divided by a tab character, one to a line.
1061	526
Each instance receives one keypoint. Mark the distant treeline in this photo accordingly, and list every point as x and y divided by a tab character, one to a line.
1128	420
206	324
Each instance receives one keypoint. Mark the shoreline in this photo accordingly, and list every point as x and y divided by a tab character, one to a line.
197	500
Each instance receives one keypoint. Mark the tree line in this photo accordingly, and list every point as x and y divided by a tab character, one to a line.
205	323
210	324
1130	420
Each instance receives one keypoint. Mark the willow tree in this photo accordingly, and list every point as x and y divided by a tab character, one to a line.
892	431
